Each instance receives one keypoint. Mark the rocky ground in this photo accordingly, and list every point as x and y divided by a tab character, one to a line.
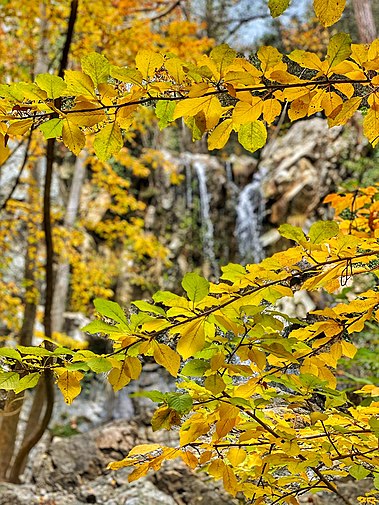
72	471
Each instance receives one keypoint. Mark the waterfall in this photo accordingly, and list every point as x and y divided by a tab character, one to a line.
206	221
250	214
187	167
229	171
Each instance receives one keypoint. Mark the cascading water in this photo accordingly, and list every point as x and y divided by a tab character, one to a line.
187	167
250	213
206	221
229	171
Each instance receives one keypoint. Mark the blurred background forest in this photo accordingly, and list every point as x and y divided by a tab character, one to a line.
164	205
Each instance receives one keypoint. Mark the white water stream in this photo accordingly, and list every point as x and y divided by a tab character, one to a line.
250	214
206	221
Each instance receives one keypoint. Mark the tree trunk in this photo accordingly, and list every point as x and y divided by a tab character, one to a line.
62	278
10	415
44	397
364	18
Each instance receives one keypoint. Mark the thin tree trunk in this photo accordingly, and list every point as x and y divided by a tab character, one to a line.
47	380
9	417
364	18
62	277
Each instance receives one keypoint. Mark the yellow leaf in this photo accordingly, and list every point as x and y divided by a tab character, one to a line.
258	357
252	136
139	472
124	371
174	67
52	84
349	108
317	416
268	56
79	83
125	116
371	126
224	56
192	430
277	7
230	481
192	338
191	106
147	62
143	449
72	136
216	468
164	417
339	49
328	11
348	349
245	112
20	127
166	357
215	384
189	459
330	102
108	141
271	110
69	383
220	135
236	455
308	60
83	114
299	107
97	67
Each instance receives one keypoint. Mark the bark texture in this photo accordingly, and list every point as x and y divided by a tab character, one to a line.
364	18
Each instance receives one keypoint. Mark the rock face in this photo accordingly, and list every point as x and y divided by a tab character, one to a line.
303	166
196	220
72	471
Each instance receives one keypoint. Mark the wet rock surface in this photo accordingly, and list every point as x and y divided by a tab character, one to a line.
72	471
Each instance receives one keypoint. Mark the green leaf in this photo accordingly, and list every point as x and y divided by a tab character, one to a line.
252	136
195	368
359	472
223	55
339	48
182	403
99	365
109	309
9	380
323	230
52	84
277	7
72	367
30	91
59	351
27	382
108	141
103	327
292	233
374	425
97	67
52	129
34	351
155	396
8	352
197	133
195	286
164	112
126	75
148	307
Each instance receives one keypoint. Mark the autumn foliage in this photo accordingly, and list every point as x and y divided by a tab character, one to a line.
258	403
